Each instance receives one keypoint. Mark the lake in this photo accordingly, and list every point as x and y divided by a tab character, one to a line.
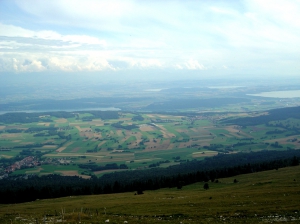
279	94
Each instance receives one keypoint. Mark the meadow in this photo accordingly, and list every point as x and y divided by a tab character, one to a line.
264	197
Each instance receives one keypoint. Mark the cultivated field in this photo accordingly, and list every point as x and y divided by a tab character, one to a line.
137	140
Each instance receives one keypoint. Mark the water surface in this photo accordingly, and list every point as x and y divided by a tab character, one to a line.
279	94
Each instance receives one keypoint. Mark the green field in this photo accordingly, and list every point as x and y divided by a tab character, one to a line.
136	139
265	197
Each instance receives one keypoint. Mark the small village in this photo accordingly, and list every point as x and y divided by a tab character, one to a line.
27	162
30	162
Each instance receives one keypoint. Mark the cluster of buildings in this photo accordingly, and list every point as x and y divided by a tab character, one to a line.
27	162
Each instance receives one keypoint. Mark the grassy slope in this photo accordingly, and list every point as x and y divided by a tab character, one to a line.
269	196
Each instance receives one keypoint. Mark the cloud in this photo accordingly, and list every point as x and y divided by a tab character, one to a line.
93	35
191	64
14	31
283	13
38	62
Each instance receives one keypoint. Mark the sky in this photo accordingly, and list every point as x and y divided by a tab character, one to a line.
146	38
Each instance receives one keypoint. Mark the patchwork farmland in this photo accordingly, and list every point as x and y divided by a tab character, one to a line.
72	143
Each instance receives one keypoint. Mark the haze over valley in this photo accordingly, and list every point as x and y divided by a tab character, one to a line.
145	112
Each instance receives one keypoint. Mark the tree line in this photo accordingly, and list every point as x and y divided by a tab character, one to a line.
23	117
17	189
273	115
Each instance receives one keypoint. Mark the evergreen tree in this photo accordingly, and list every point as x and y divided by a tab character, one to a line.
205	186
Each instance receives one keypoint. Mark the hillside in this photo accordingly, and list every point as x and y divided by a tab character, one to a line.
270	196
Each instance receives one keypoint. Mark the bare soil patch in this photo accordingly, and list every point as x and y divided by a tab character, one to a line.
64	147
13	135
76	149
201	131
172	146
146	160
205	154
257	129
117	159
165	132
73	154
78	128
72	173
125	119
286	140
165	145
35	171
119	133
152	146
165	117
2	127
97	135
49	146
104	171
150	115
61	120
101	143
184	144
232	128
146	128
61	149
15	127
124	139
86	129
44	124
236	132
28	143
97	123
135	144
87	134
6	156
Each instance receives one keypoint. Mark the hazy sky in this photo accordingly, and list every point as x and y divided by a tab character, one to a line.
245	38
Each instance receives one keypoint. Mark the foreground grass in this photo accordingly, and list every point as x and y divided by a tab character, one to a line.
271	196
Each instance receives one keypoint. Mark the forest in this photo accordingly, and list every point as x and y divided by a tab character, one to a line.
17	189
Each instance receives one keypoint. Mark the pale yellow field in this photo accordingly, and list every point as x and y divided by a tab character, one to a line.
61	149
11	135
286	140
73	154
71	173
35	171
61	120
101	143
147	128
6	156
44	124
104	171
49	146
205	154
64	147
76	149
